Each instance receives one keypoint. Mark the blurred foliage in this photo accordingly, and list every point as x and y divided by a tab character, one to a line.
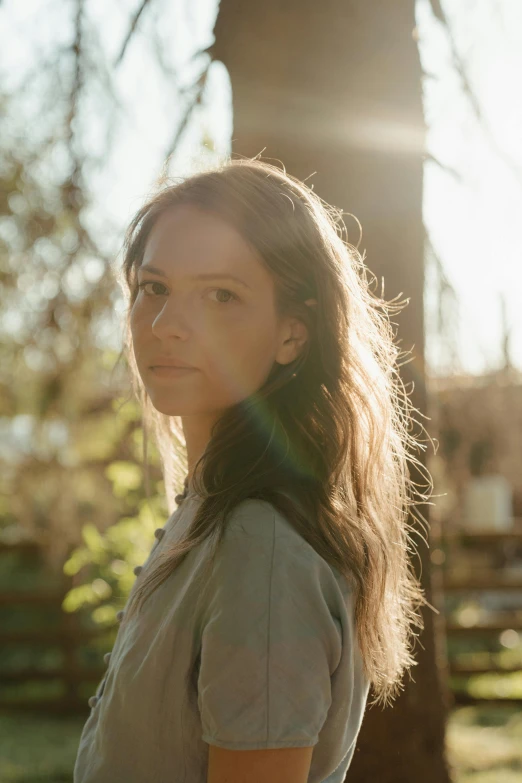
69	428
107	560
71	439
484	744
47	752
492	685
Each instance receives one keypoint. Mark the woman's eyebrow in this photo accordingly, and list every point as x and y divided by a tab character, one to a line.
202	276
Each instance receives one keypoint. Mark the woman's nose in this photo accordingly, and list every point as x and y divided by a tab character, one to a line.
170	321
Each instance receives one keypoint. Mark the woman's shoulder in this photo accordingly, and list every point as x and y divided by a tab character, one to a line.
262	518
257	521
261	523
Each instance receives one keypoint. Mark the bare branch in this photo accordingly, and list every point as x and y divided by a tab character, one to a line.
447	313
132	29
512	165
72	188
444	166
196	101
438	11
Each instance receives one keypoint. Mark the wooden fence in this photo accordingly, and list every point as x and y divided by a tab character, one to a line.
71	681
76	681
501	573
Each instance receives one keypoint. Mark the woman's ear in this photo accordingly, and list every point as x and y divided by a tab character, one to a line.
296	339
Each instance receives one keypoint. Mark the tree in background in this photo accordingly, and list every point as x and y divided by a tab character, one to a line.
334	91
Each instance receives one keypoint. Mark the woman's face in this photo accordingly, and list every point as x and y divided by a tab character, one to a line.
210	303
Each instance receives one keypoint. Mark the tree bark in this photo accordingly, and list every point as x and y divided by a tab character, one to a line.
334	87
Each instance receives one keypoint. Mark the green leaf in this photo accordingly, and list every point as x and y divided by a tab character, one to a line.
125	476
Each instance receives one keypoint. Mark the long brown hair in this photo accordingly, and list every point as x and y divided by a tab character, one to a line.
331	429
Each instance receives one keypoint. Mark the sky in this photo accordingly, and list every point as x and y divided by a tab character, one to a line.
472	223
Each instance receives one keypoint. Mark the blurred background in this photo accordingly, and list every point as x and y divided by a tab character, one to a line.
406	115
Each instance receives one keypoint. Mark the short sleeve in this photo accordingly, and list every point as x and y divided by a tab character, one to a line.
269	640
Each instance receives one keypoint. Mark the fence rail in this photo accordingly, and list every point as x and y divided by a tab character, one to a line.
65	638
502	544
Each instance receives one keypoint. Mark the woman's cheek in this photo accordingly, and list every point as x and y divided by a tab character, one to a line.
138	317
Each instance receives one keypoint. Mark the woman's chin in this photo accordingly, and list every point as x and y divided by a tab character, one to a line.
172	404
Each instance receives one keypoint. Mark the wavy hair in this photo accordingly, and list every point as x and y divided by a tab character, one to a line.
330	430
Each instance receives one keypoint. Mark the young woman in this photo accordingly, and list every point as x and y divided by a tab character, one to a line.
280	589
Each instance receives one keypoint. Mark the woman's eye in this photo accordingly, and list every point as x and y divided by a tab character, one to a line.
228	294
149	282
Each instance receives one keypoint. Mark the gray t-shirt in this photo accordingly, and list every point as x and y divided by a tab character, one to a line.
264	657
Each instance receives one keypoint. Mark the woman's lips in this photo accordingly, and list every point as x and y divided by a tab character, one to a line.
171	372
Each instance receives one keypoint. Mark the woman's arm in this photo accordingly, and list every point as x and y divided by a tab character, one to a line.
280	765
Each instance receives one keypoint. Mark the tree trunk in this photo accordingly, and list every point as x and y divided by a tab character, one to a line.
334	87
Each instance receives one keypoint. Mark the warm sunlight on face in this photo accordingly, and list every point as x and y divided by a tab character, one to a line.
226	329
